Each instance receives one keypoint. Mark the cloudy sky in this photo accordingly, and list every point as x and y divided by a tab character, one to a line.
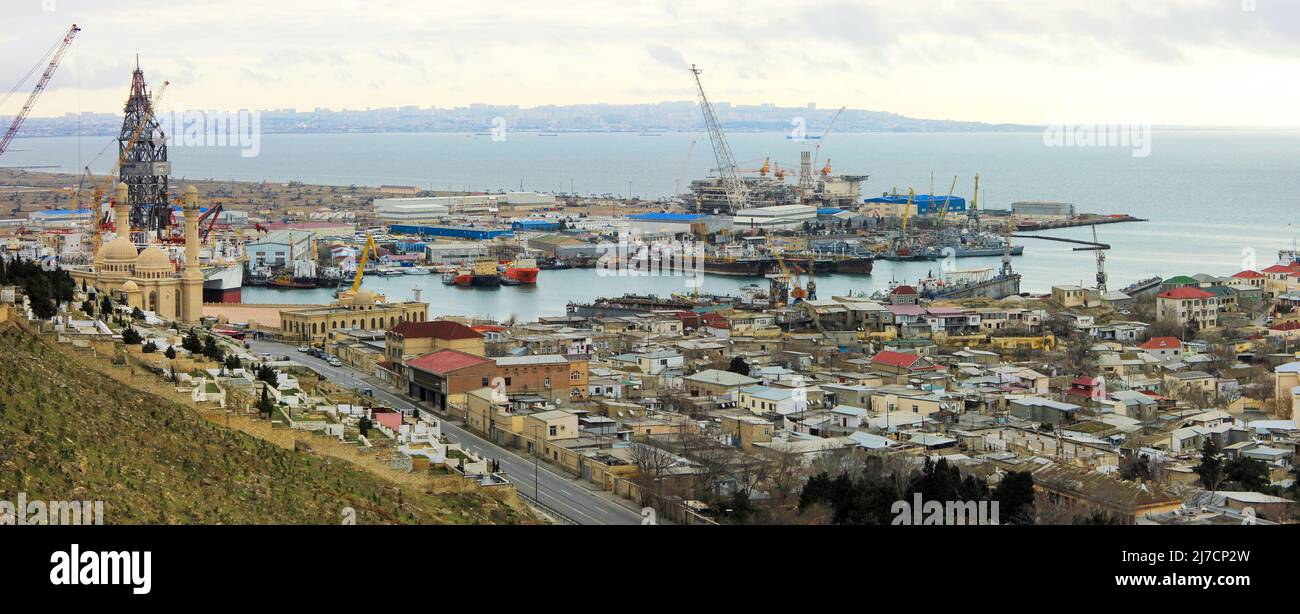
1190	62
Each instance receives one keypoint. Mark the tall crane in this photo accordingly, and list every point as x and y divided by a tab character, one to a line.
59	50
973	216
943	211
685	165
735	189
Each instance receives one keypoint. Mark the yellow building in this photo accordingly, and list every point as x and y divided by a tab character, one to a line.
148	279
364	311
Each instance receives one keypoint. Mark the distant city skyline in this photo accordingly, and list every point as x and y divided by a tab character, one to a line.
1182	62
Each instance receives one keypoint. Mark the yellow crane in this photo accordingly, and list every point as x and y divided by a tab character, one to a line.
361	266
943	211
907	207
100	190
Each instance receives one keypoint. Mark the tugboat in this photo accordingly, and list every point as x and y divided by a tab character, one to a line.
449	278
523	271
287	281
463	278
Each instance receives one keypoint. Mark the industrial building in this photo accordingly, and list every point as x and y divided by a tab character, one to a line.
1042	209
280	247
454	252
779	217
892	205
676	223
454	232
410	210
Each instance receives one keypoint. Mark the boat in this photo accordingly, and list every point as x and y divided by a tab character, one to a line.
852	265
288	282
222	282
523	271
553	264
389	272
416	270
463	278
449	278
507	281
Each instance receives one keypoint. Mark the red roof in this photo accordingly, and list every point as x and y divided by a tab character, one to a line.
1086	381
488	328
1292	325
1249	275
1185	293
1282	268
445	361
437	329
1162	343
895	359
713	320
904	290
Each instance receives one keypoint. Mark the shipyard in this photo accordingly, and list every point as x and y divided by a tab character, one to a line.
820	282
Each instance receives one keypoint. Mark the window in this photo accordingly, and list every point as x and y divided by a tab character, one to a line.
485	381
552	431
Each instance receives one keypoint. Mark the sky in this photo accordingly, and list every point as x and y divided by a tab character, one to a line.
1179	62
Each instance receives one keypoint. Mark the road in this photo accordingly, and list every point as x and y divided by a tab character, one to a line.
561	494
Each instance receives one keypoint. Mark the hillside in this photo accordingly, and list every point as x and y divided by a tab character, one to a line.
69	433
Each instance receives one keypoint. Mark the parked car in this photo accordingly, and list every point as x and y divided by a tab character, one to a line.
334	362
304	349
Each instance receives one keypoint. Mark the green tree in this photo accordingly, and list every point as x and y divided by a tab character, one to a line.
192	343
170	353
1211	467
212	350
1015	497
232	362
268	374
1251	474
264	405
149	348
739	365
131	336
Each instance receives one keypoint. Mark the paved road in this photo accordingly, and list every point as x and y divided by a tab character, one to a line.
560	493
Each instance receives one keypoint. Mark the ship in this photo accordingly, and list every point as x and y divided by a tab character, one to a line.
1149	285
463	277
975	244
852	265
973	283
485	274
635	304
222	282
742	266
523	271
287	281
416	270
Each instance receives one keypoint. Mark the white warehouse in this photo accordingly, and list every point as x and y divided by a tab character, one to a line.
410	210
774	218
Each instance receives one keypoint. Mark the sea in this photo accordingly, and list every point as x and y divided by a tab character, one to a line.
1217	201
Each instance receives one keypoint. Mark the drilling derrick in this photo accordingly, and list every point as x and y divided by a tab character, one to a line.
144	167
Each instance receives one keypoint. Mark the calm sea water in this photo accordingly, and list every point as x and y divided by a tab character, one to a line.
1213	197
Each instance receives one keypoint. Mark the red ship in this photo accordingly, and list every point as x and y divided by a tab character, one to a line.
523	271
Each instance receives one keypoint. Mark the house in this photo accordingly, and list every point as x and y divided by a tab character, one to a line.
768	400
1286	382
553	376
1163	348
848	416
1087	389
1191	382
445	376
904	295
410	339
1188	306
715	383
1039	409
900	363
1134	404
654	363
1076	296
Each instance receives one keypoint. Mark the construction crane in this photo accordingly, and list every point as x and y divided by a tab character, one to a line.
973	215
734	188
943	211
1089	246
361	266
102	189
58	51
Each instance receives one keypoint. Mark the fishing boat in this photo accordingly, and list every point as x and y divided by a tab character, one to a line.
523	271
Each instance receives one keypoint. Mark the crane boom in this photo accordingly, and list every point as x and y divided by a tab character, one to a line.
361	265
40	87
731	183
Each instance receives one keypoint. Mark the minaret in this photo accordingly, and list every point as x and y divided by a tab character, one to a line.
122	212
191	277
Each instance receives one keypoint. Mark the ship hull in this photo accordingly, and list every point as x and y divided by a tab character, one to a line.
486	281
523	276
221	284
854	266
734	268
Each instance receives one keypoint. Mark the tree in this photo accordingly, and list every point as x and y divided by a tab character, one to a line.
264	405
88	306
131	336
1250	473
192	343
739	365
212	350
364	425
1015	497
1080	358
137	313
170	353
268	374
105	306
1211	467
232	362
149	348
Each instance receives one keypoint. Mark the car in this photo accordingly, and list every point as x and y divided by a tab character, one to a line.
334	362
304	349
368	392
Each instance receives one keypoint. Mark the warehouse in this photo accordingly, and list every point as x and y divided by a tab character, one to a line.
921	204
775	218
1040	209
409	210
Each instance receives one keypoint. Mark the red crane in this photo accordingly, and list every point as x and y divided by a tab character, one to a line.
40	86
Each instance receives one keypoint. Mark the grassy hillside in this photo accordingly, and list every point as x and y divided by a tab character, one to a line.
69	433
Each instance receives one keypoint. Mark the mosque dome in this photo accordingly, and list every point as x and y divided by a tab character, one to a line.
153	259
118	250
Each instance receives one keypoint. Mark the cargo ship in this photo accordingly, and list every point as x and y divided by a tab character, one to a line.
485	274
742	266
222	282
523	271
